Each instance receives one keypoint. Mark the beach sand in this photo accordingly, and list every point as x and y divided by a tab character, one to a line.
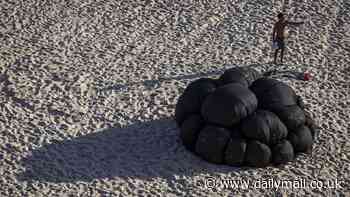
88	91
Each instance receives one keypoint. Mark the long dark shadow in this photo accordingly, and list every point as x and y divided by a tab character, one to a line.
142	150
157	82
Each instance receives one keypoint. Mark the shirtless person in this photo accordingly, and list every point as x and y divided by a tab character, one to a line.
278	34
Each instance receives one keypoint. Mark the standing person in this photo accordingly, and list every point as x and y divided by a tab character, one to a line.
278	34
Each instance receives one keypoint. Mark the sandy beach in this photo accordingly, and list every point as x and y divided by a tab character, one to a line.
89	88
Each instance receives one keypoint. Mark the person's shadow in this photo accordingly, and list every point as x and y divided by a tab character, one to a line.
143	150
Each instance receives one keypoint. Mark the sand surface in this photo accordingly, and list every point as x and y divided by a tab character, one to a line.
88	90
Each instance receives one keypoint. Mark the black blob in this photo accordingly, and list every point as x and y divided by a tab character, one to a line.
211	143
200	88
264	126
256	127
301	139
282	152
292	116
278	130
242	75
191	100
242	120
257	154
189	131
228	105
235	152
273	94
236	133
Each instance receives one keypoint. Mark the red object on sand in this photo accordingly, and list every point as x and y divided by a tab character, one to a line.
307	76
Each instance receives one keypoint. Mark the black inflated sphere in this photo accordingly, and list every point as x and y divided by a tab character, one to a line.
255	127
200	88
292	116
262	85
301	139
278	130
191	100
257	154
190	129
243	76
235	152
211	143
235	132
282	152
264	126
273	94
228	105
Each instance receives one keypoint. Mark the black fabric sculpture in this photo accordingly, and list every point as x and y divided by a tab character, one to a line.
241	119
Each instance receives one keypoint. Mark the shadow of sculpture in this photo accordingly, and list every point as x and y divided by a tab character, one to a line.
267	69
156	82
143	150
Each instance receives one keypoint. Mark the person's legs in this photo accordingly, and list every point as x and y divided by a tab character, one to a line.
275	59
282	51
